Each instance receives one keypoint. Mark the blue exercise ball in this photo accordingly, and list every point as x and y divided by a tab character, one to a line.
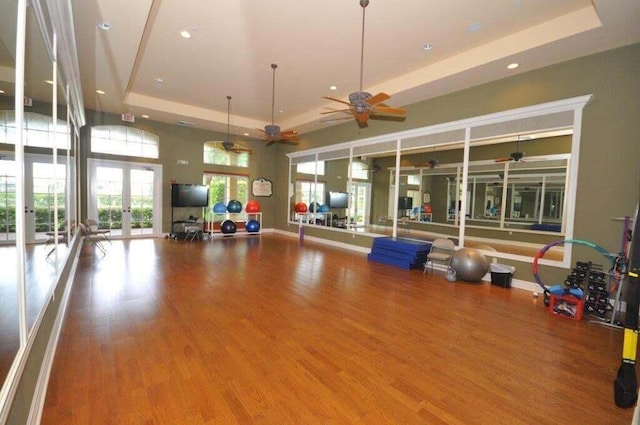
324	209
252	226
228	227
470	264
234	206
220	208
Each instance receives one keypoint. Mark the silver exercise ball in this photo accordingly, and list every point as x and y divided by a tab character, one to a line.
470	264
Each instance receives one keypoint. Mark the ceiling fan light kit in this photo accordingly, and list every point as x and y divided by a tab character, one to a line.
363	105
271	131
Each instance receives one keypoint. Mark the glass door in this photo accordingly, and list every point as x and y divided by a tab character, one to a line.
7	201
359	210
125	197
48	183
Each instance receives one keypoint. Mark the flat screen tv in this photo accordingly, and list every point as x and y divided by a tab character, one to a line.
189	195
405	203
337	199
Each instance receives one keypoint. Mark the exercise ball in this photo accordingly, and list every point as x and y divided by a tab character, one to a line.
234	206
469	264
252	207
323	209
228	227
314	207
252	226
427	209
220	208
300	207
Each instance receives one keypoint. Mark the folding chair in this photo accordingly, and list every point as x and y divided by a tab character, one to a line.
92	225
441	250
94	238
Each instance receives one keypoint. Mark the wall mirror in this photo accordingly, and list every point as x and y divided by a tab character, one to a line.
10	336
503	182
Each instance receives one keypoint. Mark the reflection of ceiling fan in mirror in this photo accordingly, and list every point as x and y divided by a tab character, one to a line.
228	145
363	105
514	156
271	132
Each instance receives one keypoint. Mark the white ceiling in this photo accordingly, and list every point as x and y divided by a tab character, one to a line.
316	44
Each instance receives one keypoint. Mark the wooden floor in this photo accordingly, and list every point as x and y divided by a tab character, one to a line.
263	330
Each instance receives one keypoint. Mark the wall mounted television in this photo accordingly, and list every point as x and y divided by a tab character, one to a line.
189	195
337	199
405	203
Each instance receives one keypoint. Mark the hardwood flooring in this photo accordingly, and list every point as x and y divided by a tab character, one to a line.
263	330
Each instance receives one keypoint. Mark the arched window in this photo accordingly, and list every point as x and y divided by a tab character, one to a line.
214	153
39	130
126	141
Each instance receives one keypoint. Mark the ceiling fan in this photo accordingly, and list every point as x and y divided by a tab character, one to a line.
363	105
228	145
514	156
271	132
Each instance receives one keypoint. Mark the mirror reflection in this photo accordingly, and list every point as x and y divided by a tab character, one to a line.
515	192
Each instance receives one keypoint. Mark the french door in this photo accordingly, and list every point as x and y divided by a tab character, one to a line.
44	183
125	197
359	207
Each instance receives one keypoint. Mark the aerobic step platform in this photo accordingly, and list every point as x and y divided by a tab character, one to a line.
400	252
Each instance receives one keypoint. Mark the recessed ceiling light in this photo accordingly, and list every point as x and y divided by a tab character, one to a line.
513	65
48	82
474	27
246	134
333	88
104	26
281	111
159	80
427	47
101	92
145	116
185	34
1	91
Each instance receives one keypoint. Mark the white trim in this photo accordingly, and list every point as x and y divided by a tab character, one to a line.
40	392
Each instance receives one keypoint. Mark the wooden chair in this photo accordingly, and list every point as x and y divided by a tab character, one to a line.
441	250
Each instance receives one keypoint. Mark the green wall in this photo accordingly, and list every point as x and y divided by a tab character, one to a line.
609	176
185	143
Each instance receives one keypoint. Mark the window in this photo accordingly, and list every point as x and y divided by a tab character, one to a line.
359	170
214	154
309	192
126	141
310	168
225	187
39	130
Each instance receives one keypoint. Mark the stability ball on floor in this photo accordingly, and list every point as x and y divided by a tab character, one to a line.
252	226
228	227
470	264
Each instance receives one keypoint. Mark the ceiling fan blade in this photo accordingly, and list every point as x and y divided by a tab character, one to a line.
333	111
389	110
328	120
362	118
336	100
380	97
270	142
503	159
288	133
289	141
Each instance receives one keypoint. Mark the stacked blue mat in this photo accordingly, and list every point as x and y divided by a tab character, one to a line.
400	252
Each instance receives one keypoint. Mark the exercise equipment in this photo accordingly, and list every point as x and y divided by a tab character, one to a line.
300	208
625	386
314	207
469	264
234	206
228	227
252	226
323	209
252	207
544	249
220	208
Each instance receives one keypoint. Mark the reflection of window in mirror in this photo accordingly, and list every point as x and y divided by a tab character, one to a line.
311	168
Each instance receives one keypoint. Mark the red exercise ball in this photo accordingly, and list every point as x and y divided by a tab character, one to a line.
427	209
252	207
300	207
